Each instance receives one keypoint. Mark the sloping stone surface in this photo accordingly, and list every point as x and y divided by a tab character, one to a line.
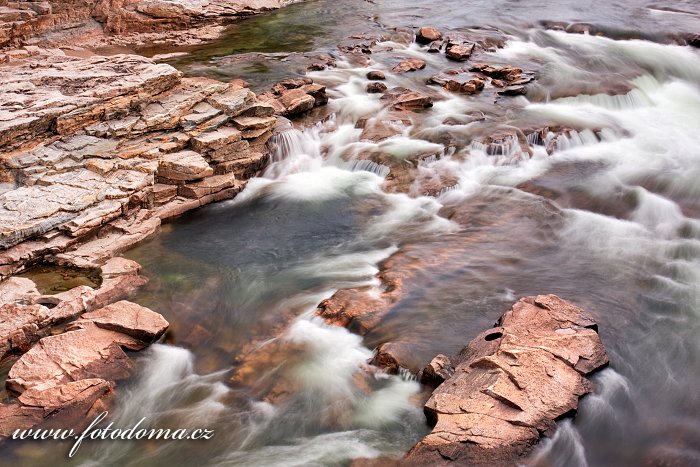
92	348
510	384
144	124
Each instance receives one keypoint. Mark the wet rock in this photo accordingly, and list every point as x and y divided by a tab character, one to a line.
581	28
352	309
377	130
471	86
359	44
294	97
375	88
318	92
411	64
375	75
405	99
435	47
439	370
92	348
388	357
427	35
459	52
207	186
296	102
514	91
508	74
694	40
511	383
292	83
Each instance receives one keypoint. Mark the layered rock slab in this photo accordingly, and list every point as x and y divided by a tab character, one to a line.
510	384
26	315
71	373
154	142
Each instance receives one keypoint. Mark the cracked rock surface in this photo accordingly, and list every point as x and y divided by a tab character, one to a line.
510	384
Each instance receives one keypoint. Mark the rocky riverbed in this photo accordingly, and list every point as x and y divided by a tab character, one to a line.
433	146
98	151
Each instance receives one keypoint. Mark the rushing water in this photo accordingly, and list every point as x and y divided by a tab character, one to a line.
239	281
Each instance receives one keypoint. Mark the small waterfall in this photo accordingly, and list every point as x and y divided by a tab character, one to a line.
564	448
370	166
292	142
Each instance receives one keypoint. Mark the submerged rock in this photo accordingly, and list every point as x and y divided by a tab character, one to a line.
511	383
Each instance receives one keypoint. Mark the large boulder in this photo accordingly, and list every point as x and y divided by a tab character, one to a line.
510	384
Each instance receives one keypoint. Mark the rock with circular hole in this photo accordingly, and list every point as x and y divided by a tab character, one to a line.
510	384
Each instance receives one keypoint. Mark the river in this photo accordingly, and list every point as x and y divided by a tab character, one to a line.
240	281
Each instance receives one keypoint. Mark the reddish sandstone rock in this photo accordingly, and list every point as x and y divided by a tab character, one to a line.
411	64
377	130
92	348
83	393
459	52
437	371
183	166
405	99
126	318
20	326
388	357
427	35
296	101
375	75
375	88
511	383
318	92
18	417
